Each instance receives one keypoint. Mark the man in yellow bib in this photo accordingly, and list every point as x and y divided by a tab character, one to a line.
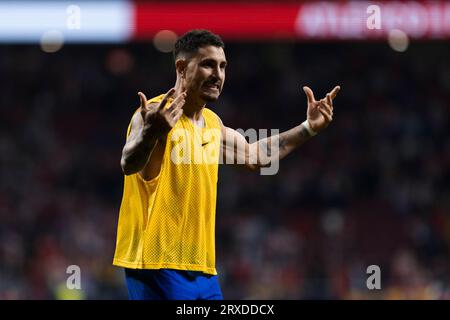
165	236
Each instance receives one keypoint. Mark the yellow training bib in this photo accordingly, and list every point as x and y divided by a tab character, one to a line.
169	221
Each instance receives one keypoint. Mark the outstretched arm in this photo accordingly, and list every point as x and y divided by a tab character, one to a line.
265	151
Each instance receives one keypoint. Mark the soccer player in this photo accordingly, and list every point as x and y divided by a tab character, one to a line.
165	238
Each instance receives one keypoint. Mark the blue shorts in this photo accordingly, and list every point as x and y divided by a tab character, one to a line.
169	284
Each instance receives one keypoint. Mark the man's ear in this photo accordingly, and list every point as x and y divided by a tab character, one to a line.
181	65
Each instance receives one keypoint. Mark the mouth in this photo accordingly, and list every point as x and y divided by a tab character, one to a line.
212	86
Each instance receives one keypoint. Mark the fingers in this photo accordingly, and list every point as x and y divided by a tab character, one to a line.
178	115
331	95
326	111
168	95
309	94
143	99
177	103
329	100
334	92
324	104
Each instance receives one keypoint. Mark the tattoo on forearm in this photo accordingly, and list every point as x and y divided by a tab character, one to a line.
287	141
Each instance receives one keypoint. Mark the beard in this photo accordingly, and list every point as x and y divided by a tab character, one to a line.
210	98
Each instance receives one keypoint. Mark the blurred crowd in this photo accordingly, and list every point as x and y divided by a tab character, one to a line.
372	189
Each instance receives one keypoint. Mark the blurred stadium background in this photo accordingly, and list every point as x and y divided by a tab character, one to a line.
372	189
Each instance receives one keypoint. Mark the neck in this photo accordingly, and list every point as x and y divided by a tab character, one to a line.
192	107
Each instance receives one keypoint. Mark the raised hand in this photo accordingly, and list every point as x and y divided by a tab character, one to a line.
320	113
159	118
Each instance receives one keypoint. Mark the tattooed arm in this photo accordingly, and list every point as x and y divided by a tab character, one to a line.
266	151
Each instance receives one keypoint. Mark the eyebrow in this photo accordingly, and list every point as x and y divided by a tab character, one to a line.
213	60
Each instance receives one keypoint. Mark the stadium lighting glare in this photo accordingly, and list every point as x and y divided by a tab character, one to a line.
52	41
398	40
164	40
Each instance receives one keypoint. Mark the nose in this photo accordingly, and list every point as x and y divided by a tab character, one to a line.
217	73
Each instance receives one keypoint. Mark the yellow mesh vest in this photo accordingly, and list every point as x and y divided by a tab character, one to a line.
169	221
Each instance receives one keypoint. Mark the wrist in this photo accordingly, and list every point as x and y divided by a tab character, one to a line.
308	128
150	134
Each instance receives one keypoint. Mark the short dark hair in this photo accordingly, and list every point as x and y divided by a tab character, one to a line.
192	40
